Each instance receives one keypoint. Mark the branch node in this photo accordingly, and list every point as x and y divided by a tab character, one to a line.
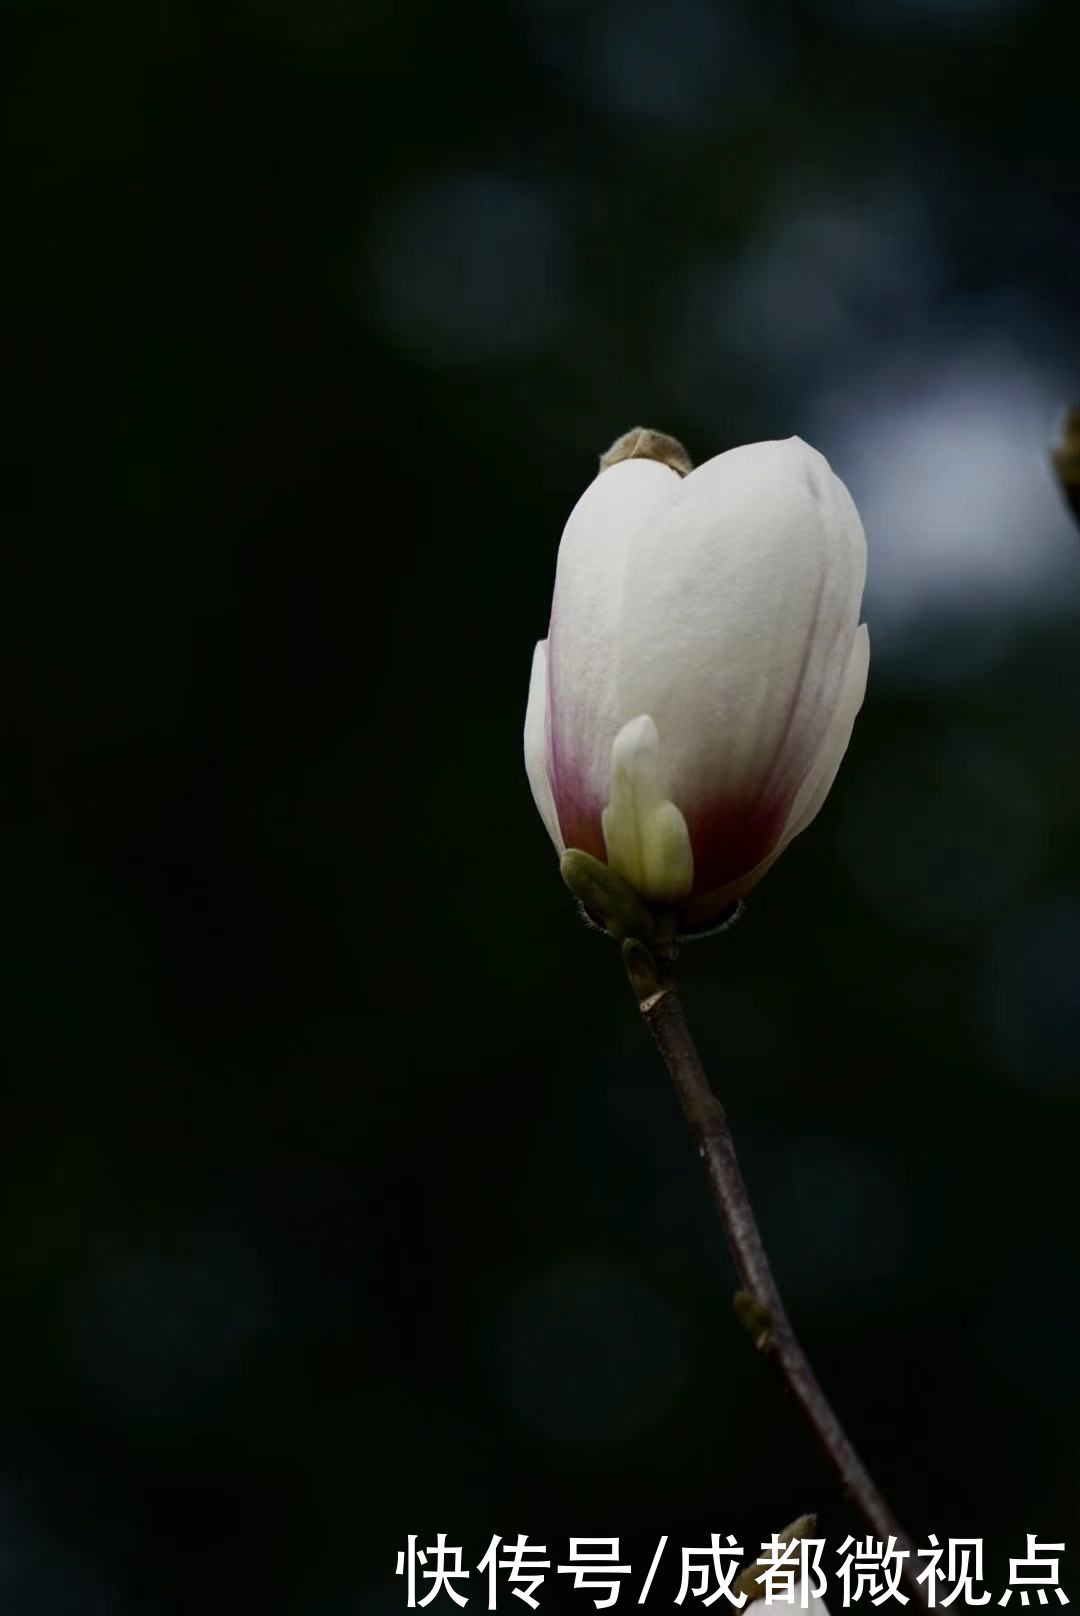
755	1318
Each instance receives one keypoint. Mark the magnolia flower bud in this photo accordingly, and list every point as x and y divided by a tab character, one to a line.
703	668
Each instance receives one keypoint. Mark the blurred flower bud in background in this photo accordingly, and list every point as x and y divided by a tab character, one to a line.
1066	458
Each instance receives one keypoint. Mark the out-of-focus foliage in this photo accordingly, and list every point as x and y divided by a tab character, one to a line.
342	1197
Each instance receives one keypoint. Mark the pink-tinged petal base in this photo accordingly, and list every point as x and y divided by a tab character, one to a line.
712	895
579	813
731	838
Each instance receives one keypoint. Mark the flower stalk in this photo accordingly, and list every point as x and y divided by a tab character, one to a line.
758	1304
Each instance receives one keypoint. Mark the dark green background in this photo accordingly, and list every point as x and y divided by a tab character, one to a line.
341	1195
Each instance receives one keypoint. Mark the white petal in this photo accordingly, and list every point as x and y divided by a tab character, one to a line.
583	641
536	745
644	833
739	611
816	786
